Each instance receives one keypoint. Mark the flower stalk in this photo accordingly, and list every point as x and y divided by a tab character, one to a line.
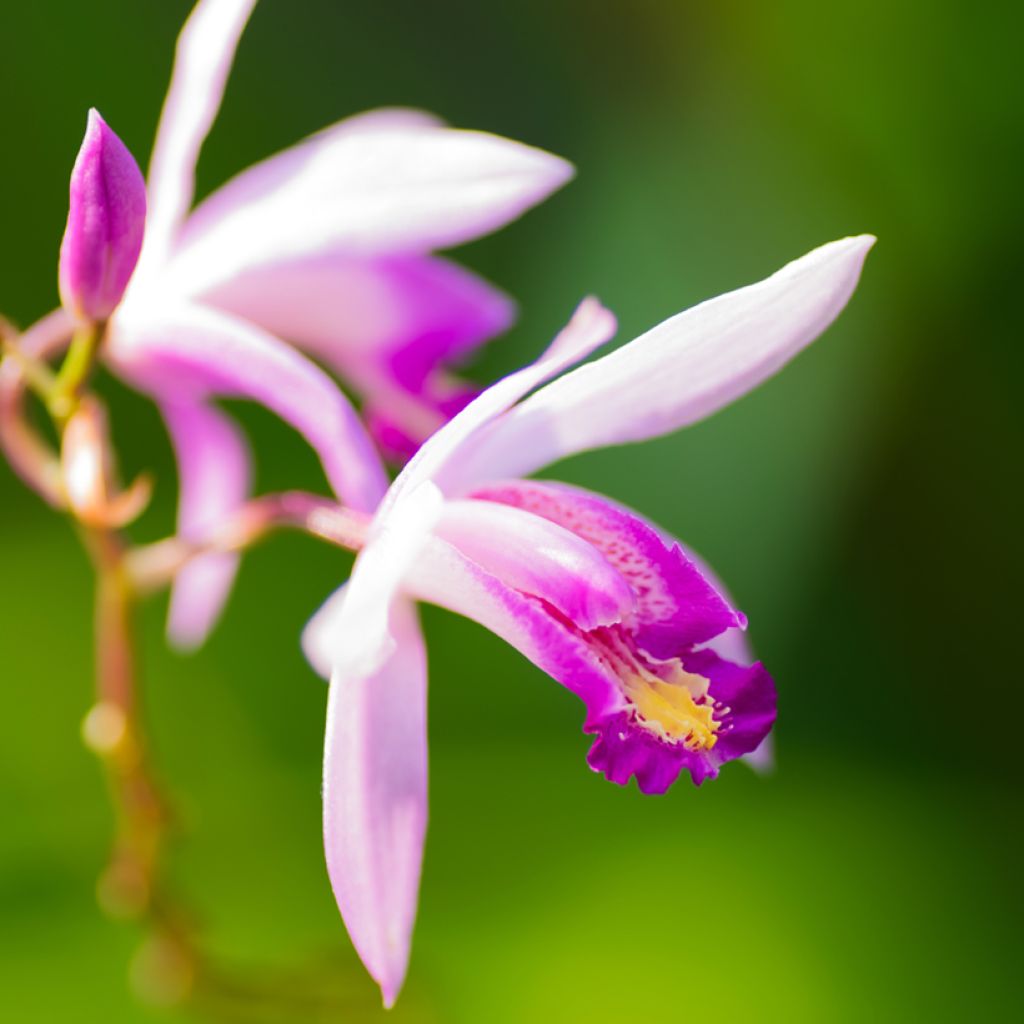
66	388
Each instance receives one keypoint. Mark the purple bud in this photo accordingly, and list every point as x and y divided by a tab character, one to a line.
106	219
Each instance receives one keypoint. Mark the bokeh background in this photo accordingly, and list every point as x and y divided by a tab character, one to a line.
865	508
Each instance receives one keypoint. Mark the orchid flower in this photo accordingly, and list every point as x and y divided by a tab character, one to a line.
607	604
328	245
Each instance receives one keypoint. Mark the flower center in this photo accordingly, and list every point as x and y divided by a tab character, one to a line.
670	710
667	700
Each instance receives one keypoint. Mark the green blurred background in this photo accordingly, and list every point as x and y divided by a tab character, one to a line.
865	508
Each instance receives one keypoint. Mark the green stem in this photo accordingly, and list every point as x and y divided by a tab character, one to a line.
75	371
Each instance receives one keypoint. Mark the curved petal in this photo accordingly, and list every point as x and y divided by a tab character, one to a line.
386	188
676	605
388	325
375	800
214	479
443	576
181	352
205	51
680	371
541	558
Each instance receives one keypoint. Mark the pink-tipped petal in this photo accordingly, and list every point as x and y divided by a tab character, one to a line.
179	352
106	220
389	326
540	558
214	480
676	605
364	187
205	52
680	371
375	799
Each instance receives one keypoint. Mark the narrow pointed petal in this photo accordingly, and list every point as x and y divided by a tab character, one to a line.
368	186
181	352
106	220
680	371
214	480
205	52
540	558
390	326
375	800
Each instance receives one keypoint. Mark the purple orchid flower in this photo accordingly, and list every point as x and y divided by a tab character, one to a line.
594	595
328	245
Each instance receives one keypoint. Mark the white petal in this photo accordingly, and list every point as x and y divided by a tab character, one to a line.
680	371
373	184
375	799
206	49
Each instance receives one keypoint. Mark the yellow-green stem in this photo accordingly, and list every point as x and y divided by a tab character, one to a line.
75	371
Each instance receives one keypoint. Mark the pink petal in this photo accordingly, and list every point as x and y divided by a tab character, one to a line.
214	480
388	325
364	186
539	557
676	605
206	49
375	800
190	352
680	371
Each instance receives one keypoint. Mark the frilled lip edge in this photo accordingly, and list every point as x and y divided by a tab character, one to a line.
624	748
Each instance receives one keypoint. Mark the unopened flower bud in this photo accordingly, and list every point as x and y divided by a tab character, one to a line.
106	218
